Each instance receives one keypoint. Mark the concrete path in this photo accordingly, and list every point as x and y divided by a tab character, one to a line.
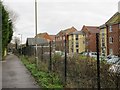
15	75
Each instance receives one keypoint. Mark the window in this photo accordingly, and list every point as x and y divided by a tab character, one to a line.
87	43
72	50
72	43
77	50
76	37
86	35
102	30
119	26
110	40
110	28
77	44
103	44
83	42
110	51
103	34
103	40
72	37
119	38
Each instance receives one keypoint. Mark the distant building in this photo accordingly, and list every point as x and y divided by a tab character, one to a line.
76	42
60	38
34	41
103	40
30	48
52	37
90	37
113	34
45	36
11	47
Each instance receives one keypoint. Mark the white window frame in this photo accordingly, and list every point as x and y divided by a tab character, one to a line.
111	40
110	28
110	51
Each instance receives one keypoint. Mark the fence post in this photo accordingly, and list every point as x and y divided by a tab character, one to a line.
98	61
65	60
41	52
50	62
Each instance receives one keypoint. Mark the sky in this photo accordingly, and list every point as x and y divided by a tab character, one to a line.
56	15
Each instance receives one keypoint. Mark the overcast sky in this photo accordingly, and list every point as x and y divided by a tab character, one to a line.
56	15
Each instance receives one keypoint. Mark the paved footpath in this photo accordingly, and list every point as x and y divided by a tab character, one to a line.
15	75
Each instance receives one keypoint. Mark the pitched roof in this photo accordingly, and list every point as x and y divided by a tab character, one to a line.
41	34
67	31
114	19
77	33
52	37
102	26
32	41
92	29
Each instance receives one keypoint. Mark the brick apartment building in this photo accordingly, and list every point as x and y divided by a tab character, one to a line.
113	35
90	37
60	38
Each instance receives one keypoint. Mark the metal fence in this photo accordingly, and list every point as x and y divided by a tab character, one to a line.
75	70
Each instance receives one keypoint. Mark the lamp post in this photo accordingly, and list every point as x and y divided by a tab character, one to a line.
21	42
36	56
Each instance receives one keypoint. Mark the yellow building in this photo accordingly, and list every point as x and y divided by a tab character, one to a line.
76	42
103	40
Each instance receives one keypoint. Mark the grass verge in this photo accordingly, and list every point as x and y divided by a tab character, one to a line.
44	79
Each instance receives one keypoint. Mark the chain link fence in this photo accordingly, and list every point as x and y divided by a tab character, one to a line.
75	70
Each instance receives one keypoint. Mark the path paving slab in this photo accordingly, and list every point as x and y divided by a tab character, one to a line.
15	74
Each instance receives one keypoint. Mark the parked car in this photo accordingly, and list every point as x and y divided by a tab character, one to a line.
91	54
111	59
83	53
59	52
115	68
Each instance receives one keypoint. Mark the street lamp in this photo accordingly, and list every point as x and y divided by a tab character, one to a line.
21	42
36	54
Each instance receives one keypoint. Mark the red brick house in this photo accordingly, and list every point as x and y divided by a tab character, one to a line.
60	38
45	35
90	37
113	34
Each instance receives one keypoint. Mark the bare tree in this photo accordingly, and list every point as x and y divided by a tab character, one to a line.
13	16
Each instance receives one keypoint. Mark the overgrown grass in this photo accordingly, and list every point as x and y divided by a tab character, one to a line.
44	79
81	72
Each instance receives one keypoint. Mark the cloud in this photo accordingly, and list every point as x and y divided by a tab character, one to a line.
56	15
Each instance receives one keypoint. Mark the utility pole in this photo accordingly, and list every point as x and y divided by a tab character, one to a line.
36	32
98	61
